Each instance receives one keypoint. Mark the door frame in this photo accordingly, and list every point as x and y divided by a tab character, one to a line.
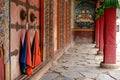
41	28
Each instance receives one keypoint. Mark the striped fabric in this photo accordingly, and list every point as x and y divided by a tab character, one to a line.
111	3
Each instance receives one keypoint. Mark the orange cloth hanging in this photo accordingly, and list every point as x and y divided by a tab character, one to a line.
28	56
37	54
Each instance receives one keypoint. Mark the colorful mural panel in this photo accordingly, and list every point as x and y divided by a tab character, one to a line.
62	23
48	28
69	21
2	21
4	27
4	37
84	14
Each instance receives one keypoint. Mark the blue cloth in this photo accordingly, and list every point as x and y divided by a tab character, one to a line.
23	56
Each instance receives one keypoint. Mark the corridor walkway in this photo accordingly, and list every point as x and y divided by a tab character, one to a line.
80	62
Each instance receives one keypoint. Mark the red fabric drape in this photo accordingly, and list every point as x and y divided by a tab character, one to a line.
28	56
37	54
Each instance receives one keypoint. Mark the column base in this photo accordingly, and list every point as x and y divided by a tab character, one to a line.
109	66
96	46
99	52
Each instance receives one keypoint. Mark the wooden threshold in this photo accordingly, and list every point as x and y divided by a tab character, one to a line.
38	72
80	29
41	72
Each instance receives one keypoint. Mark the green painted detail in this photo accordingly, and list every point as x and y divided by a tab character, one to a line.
101	11
111	4
97	16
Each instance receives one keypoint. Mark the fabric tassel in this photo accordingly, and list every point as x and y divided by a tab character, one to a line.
37	54
32	52
28	57
23	56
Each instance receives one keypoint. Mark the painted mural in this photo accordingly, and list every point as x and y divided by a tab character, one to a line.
4	28
84	14
48	28
2	12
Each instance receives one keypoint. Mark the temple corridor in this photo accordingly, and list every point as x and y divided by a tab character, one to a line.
80	62
59	39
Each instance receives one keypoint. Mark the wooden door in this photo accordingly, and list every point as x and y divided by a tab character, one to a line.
1	64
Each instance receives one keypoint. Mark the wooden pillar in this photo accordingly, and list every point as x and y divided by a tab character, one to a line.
110	39
101	35
97	22
58	24
110	36
66	23
41	27
97	33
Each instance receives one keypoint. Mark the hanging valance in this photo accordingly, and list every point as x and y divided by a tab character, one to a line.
97	16
111	3
100	12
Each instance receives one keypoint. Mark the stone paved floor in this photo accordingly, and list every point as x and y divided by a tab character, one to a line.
80	62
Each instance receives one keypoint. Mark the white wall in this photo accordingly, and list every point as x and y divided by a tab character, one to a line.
118	33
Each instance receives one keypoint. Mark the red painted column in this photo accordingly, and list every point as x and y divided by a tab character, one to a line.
98	1
97	33
110	36
97	23
98	4
41	27
101	35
